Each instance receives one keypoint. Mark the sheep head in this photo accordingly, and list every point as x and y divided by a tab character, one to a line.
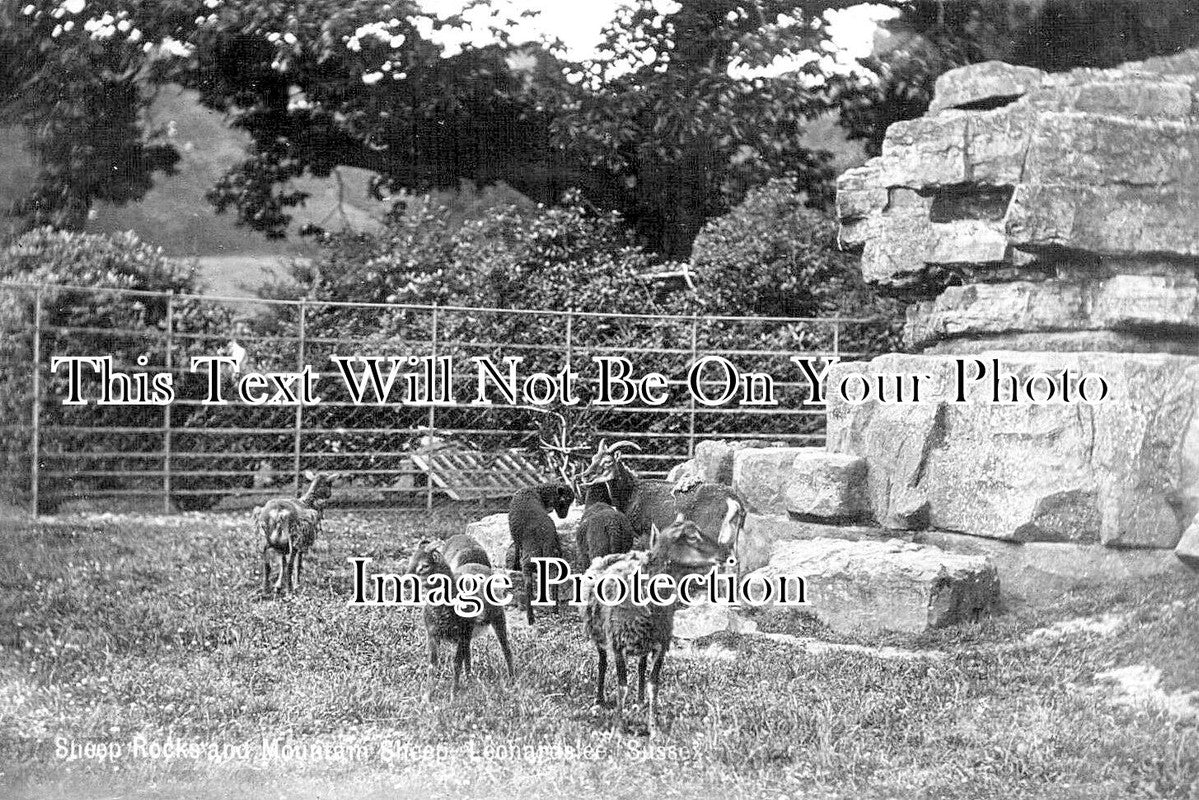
683	546
320	485
606	463
427	560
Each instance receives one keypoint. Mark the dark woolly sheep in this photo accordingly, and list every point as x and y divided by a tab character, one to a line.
443	623
602	531
534	534
644	501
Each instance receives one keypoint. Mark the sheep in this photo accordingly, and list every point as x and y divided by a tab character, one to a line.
649	502
464	549
290	527
443	623
602	531
534	534
641	631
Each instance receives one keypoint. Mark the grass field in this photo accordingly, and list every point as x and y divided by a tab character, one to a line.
118	630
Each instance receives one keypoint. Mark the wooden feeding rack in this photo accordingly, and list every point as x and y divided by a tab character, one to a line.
475	475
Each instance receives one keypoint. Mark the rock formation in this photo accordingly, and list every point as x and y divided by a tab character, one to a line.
1050	221
1054	212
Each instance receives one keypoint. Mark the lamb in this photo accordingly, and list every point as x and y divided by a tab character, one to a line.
443	623
534	534
290	527
648	502
602	531
641	631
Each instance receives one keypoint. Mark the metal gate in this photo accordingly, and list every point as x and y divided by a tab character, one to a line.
193	454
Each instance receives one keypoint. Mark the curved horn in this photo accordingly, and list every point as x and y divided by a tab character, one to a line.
624	443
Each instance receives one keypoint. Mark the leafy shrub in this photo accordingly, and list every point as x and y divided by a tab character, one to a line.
774	256
88	322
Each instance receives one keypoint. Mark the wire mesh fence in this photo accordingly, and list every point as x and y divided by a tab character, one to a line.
485	382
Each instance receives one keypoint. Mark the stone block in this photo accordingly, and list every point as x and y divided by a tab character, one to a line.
878	586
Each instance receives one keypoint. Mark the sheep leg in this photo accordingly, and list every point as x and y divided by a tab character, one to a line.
641	664
434	662
603	672
268	554
461	658
299	568
297	556
529	594
655	673
500	626
622	686
284	570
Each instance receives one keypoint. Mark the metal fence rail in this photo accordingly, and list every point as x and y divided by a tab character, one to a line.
192	455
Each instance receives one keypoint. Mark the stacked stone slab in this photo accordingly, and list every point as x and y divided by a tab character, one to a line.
1050	221
1066	206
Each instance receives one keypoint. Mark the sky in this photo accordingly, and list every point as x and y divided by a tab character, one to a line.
578	24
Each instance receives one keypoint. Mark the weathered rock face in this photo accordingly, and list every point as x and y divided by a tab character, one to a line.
714	459
827	486
873	586
1124	472
1049	221
1075	193
1188	547
761	476
1119	303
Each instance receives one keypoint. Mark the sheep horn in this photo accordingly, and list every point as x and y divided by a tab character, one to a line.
624	443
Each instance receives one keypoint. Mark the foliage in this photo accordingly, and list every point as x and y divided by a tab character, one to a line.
684	109
77	87
773	255
681	115
86	320
930	37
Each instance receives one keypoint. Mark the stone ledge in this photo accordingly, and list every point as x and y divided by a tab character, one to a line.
875	586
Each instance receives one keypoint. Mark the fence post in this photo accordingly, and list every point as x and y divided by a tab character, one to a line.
432	415
299	406
166	409
570	318
35	421
694	356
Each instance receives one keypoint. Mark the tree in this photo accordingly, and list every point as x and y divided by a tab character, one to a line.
686	112
670	128
74	78
930	37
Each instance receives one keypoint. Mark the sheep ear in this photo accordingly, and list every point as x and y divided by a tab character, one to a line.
654	533
309	475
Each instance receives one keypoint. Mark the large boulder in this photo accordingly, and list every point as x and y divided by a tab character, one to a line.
986	82
876	586
763	532
713	459
827	486
1188	546
761	476
1124	471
